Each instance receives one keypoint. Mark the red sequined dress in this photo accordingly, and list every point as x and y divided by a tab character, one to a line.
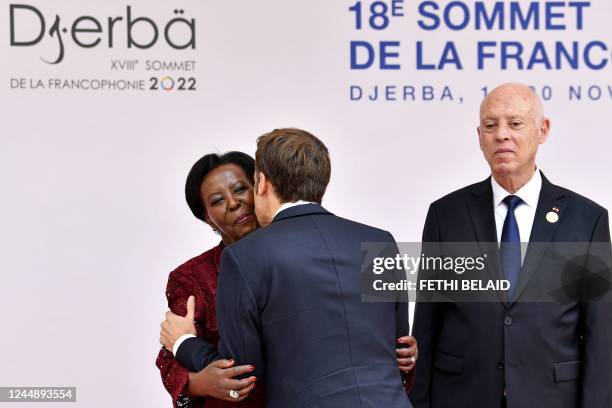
197	277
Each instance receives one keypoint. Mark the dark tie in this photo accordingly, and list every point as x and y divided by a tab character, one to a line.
510	246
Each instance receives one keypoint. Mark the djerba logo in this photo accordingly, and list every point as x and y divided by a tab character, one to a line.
89	32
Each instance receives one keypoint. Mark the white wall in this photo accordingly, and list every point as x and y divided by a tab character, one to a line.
92	212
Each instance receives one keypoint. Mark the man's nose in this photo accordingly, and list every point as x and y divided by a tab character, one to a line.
502	133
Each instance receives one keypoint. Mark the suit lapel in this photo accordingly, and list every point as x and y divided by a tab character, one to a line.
482	216
542	233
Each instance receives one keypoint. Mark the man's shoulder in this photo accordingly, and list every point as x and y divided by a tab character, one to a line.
359	230
467	193
258	242
462	194
282	231
250	241
573	198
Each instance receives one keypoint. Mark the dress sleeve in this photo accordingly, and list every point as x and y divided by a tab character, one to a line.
181	285
174	378
408	379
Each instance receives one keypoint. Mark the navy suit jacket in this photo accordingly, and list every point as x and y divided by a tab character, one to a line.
289	302
548	354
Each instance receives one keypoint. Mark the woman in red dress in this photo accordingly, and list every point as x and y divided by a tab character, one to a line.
219	191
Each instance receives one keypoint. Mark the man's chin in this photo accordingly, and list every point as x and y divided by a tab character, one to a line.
503	168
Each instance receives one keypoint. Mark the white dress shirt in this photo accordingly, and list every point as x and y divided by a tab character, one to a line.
524	213
284	206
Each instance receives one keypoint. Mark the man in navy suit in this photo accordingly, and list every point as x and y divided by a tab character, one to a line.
289	295
516	352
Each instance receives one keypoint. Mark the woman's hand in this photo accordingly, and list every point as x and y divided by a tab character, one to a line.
407	356
216	380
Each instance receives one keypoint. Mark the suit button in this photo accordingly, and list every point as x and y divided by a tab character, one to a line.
508	321
500	365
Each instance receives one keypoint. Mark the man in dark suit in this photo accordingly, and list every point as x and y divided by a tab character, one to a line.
289	295
516	352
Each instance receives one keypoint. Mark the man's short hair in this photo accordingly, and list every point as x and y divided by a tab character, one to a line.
296	163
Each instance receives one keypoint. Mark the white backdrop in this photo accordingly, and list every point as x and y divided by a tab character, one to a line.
93	215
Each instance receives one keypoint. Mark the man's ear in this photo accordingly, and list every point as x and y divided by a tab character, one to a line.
479	138
544	130
261	183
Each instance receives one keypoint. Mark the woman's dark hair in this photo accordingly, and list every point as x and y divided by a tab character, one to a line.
205	165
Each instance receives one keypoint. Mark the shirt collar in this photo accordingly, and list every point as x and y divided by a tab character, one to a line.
529	193
284	206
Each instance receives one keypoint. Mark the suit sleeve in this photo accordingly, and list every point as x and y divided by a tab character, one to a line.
195	354
403	329
402	311
427	320
238	316
597	321
401	298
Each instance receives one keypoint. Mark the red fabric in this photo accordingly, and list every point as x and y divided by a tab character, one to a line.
408	380
197	277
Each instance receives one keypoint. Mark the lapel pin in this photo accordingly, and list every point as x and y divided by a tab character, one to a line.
552	217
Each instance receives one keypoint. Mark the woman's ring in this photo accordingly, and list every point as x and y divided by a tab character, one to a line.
234	394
